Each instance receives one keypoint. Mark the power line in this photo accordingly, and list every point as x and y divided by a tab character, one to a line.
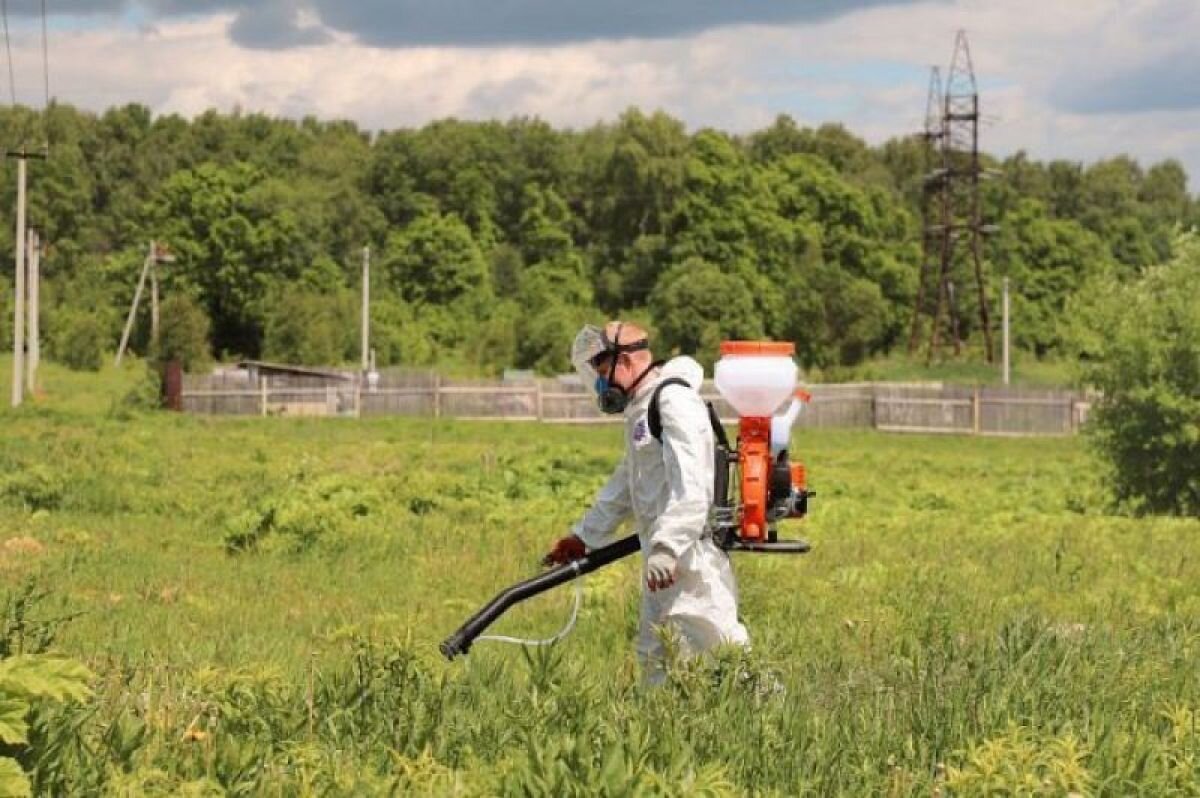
45	58
12	79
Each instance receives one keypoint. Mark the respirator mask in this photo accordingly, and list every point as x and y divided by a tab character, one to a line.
594	356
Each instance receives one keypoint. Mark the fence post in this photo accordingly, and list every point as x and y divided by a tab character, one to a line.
537	400
358	396
975	410
262	394
437	395
172	386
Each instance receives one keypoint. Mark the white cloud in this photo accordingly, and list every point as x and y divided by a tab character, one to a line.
866	69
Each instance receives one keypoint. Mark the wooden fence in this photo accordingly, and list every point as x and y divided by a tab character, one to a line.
895	407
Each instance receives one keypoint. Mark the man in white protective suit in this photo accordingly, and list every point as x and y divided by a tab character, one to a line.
666	487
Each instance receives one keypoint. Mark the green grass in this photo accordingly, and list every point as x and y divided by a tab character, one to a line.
969	620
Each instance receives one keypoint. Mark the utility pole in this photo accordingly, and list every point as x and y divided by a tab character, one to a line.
953	307
160	253
18	370
34	355
137	296
1004	313
366	308
156	254
19	293
154	301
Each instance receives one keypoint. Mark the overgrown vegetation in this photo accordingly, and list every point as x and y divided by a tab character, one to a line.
32	681
492	241
971	620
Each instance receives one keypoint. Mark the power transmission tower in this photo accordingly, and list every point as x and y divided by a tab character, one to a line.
954	228
931	139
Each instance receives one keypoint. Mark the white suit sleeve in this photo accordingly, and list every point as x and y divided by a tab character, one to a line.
687	440
612	506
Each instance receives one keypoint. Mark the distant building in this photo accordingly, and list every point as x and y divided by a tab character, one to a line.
284	375
303	390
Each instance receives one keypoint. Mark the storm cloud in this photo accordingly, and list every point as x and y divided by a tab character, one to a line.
393	23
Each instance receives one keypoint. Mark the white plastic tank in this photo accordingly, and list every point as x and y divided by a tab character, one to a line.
756	377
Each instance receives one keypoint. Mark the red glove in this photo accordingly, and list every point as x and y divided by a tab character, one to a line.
565	550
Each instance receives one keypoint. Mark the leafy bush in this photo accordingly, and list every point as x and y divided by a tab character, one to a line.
1021	762
1141	345
183	334
306	511
25	680
29	680
79	342
144	395
34	488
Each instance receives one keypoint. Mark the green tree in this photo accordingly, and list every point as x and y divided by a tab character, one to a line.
555	300
398	336
639	177
1047	261
544	234
435	260
229	247
309	327
851	279
697	305
1140	347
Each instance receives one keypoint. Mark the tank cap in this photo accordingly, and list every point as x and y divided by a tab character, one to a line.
773	348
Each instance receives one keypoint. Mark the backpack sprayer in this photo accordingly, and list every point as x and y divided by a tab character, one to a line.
755	378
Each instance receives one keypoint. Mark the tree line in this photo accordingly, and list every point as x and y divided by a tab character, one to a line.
493	241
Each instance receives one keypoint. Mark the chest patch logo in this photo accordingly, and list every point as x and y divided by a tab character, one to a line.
641	432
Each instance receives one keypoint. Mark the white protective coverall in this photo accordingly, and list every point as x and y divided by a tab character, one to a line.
668	489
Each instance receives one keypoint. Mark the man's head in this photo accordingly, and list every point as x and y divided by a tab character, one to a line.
614	360
627	366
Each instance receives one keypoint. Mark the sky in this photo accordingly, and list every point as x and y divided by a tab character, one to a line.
1076	79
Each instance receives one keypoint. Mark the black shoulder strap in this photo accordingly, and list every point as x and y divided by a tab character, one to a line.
654	416
717	426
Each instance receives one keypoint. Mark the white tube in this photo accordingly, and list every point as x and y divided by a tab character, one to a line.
781	427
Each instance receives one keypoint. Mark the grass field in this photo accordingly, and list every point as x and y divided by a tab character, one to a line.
261	601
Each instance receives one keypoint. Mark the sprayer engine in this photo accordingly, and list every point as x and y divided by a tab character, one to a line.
756	378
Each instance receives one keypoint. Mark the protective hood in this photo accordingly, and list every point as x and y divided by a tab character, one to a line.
589	343
686	368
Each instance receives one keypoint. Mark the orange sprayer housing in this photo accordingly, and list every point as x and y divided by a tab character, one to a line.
756	465
754	459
